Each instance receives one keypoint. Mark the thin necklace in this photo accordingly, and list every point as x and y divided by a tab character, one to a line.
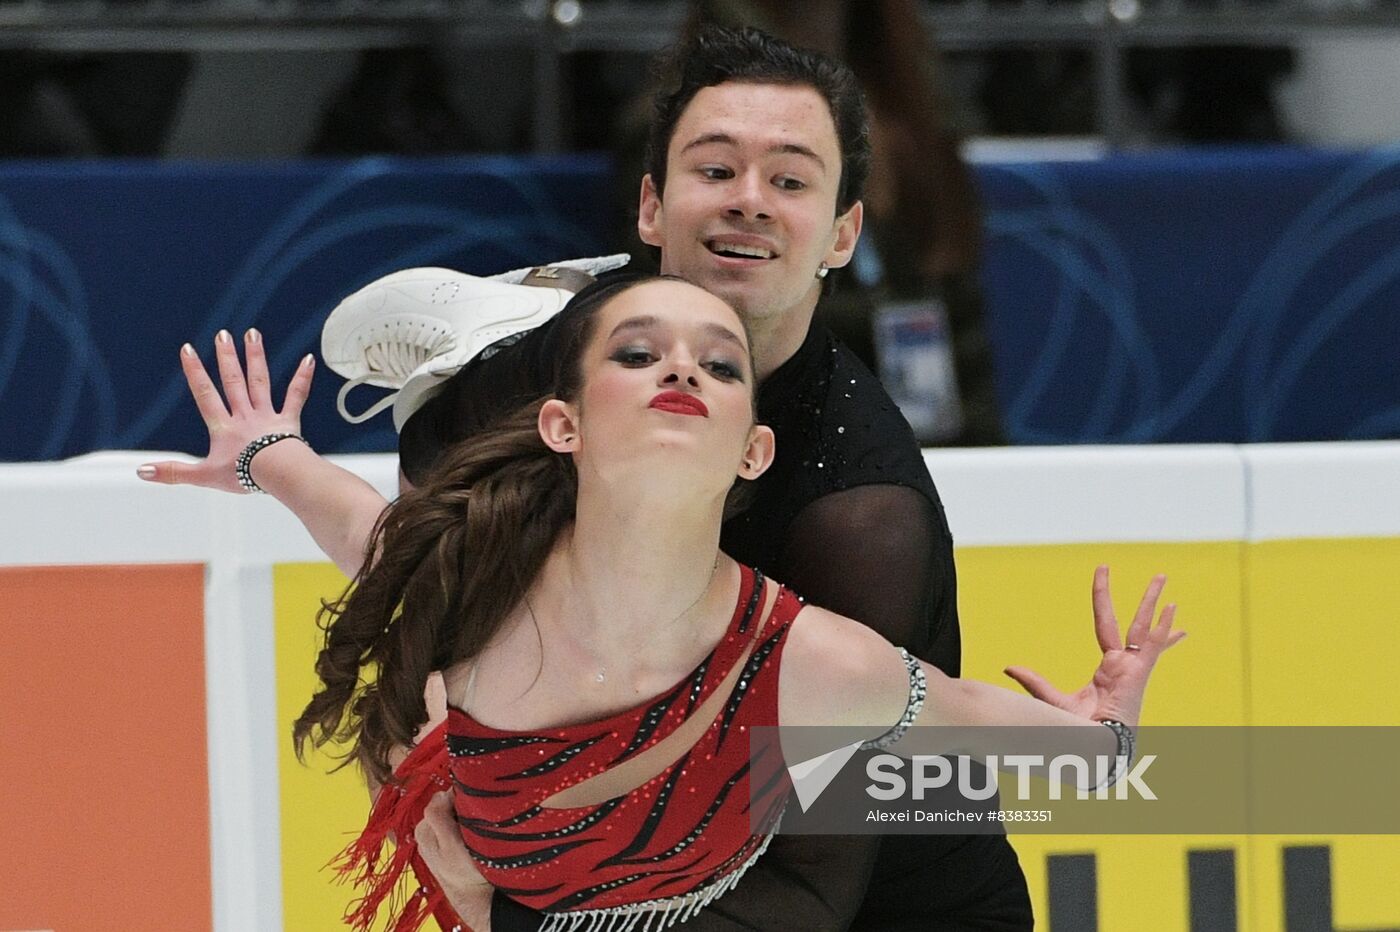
602	675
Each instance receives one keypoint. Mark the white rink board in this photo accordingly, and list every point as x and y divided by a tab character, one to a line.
1091	494
1309	490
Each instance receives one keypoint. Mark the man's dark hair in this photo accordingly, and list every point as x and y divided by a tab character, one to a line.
717	55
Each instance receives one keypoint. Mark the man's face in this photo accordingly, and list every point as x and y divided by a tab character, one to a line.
749	210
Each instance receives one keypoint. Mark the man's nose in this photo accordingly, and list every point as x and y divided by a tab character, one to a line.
750	200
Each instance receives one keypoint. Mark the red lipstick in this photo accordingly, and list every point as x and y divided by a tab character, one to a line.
679	403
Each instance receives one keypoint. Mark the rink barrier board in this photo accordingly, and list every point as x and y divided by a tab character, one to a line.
1253	558
102	745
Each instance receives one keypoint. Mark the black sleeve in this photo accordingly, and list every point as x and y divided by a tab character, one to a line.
882	555
809	882
509	916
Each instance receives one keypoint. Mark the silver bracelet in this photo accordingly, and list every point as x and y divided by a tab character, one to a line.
243	466
918	691
1127	746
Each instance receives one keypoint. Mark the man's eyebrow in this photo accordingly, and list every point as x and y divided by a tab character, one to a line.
793	148
782	148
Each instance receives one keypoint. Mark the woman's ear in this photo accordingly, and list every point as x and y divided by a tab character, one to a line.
559	426
758	454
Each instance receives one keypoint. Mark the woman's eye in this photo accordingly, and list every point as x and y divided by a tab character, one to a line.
726	370
633	356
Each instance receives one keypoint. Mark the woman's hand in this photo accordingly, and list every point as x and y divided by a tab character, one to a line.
1116	689
247	415
440	846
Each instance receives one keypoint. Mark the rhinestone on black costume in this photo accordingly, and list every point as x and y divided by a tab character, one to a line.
557	761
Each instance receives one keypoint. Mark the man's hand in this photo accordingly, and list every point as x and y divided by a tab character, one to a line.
440	846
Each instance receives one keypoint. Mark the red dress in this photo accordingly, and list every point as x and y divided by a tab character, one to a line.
658	852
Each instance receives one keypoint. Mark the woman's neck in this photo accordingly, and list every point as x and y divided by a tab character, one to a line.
631	577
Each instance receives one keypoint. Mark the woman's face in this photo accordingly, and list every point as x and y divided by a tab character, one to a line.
668	391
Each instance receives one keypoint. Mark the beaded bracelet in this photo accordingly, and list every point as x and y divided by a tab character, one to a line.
1127	746
918	691
242	467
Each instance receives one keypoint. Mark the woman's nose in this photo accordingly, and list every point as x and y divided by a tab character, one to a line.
675	376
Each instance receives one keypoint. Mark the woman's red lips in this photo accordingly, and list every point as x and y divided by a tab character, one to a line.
680	403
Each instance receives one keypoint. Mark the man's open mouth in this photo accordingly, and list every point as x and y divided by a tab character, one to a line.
738	250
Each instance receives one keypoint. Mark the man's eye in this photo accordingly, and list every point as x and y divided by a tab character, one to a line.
716	172
633	356
791	184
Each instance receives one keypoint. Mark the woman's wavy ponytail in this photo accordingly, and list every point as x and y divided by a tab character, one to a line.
445	565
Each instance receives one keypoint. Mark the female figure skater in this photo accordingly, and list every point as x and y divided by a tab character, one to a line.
602	660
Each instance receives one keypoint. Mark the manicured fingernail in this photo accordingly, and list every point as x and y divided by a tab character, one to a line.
223	336
309	360
146	472
187	350
253	336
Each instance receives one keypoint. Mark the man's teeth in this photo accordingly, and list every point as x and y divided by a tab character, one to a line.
747	252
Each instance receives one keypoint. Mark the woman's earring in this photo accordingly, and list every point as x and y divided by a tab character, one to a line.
822	270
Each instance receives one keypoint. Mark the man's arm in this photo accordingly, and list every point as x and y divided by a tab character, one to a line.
880	554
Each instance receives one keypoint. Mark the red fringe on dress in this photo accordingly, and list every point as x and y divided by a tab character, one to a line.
398	808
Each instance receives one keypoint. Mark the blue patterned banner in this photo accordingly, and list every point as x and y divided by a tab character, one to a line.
1225	296
106	268
1244	295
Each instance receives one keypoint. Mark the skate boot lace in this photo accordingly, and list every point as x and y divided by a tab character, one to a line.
392	352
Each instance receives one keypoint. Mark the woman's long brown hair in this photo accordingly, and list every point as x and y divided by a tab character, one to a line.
445	565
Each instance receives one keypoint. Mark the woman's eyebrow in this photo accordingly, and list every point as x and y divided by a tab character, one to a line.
724	333
647	322
644	322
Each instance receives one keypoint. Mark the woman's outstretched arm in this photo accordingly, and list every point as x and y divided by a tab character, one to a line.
337	507
838	672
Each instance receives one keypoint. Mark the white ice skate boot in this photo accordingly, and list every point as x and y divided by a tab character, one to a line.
412	330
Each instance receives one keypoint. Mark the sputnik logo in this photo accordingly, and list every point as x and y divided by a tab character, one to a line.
812	776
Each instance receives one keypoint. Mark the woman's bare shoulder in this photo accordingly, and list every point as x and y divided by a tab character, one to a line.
837	671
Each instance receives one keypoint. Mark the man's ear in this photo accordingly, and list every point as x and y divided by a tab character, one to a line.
649	215
559	426
847	235
758	455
